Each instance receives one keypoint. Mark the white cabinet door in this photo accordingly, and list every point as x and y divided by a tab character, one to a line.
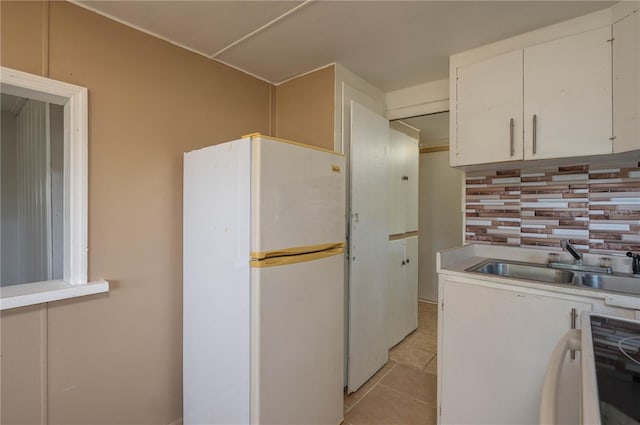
488	101
567	96
403	288
412	167
397	185
396	291
368	245
494	348
403	182
410	293
626	83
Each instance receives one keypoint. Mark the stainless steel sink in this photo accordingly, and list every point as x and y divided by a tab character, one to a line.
605	282
541	273
519	270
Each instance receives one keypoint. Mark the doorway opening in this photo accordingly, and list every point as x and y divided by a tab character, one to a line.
439	199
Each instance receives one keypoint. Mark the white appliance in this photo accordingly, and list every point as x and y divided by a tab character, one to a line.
610	371
264	226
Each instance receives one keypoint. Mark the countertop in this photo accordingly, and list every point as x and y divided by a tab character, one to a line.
454	262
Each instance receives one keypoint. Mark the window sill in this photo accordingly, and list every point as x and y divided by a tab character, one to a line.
42	292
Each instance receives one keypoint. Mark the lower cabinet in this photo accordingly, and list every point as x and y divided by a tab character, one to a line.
493	352
403	288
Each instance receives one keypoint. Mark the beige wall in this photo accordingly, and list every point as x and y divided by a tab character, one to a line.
440	217
116	358
304	108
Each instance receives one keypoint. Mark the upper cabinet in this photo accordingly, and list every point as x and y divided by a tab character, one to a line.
403	182
568	90
488	111
626	82
567	96
551	100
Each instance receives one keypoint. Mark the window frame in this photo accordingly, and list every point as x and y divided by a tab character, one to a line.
74	99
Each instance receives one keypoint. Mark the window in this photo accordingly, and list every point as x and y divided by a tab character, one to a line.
59	253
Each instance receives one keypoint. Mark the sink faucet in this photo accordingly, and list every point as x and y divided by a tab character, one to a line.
577	255
635	265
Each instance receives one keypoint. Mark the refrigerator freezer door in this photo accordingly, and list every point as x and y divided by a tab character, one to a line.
298	197
297	340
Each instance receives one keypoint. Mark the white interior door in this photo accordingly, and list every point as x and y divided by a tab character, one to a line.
368	242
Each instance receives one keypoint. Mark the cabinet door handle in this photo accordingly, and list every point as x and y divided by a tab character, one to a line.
511	126
574	315
403	263
407	261
535	140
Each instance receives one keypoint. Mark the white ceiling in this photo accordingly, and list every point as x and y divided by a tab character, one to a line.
391	44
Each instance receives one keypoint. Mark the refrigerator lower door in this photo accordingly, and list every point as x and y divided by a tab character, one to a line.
297	342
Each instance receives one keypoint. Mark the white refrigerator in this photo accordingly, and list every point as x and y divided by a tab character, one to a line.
264	230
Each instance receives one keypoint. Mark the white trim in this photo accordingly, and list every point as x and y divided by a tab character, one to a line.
47	191
43	292
75	188
75	101
409	126
423	99
426	108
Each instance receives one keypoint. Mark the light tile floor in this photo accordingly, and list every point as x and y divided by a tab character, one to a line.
404	390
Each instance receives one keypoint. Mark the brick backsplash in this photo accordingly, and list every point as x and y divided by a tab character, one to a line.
595	207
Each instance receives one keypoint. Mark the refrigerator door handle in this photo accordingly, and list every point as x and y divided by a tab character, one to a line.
570	341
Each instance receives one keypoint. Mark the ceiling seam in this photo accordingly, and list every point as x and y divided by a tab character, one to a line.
304	73
137	28
260	29
160	37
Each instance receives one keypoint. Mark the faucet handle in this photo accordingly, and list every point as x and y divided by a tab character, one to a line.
635	264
